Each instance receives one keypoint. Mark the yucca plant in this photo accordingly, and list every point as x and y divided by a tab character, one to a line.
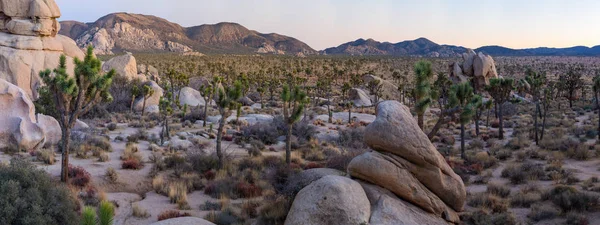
166	109
227	100
88	216
422	91
135	92
293	105
75	96
106	213
462	96
500	89
147	91
535	82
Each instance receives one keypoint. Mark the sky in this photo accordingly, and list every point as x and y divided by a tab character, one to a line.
328	23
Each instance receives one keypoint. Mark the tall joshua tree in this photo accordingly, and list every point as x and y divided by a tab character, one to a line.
535	81
462	96
135	91
75	96
423	75
572	82
208	92
227	100
500	89
166	110
293	105
596	88
147	91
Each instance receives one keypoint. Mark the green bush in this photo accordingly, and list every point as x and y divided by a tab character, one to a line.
29	196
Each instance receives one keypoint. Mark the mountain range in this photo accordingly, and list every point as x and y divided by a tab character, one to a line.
120	32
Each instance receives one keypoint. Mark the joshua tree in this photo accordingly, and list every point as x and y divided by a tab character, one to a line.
165	110
227	100
441	93
135	91
375	88
535	82
500	89
75	96
488	105
324	88
346	100
423	75
147	91
293	106
596	88
261	93
177	80
462	96
208	92
572	82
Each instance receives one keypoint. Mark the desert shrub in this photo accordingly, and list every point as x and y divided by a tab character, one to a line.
29	196
488	201
225	217
252	164
139	212
518	142
524	199
485	218
46	156
79	176
111	175
498	190
264	132
201	162
170	214
520	173
568	198
542	212
352	138
103	157
178	194
210	206
581	152
112	126
275	210
132	164
576	219
484	159
477	144
100	142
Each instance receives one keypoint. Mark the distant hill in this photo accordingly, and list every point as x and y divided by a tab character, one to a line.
425	47
119	32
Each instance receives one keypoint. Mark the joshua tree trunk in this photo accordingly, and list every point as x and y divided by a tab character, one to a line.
462	140
330	119
477	115
288	144
501	128
349	114
132	101
206	103
219	139
144	106
66	138
535	122
598	107
487	121
166	123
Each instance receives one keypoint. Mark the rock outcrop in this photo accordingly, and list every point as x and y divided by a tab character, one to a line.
28	45
331	200
406	180
152	102
389	91
18	124
360	98
51	129
478	66
191	97
124	65
183	220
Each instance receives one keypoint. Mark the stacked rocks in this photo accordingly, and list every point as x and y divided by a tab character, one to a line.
29	42
479	66
405	180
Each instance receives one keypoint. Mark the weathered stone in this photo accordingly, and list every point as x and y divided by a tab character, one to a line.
389	91
153	101
395	131
124	65
51	129
183	221
306	177
360	98
191	97
331	200
18	125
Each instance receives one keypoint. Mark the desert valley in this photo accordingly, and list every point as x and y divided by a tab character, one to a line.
136	120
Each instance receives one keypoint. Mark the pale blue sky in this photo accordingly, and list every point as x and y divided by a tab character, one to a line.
327	23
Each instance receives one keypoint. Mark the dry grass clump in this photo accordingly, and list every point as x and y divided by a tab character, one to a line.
177	192
139	212
132	159
541	212
170	214
488	201
111	175
498	190
46	156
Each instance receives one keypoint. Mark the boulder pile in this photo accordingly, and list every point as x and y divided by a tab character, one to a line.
29	42
404	180
478	66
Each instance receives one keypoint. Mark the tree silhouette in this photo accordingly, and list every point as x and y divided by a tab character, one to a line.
500	89
75	96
